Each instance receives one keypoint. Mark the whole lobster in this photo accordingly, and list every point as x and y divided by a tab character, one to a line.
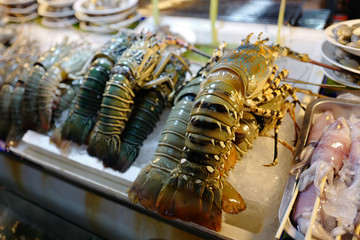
82	118
149	104
240	99
146	188
138	68
40	67
53	81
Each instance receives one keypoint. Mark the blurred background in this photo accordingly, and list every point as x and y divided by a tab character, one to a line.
311	13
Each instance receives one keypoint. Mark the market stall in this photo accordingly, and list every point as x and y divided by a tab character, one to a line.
85	189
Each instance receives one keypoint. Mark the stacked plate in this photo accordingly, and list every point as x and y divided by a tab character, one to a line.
19	10
57	13
105	16
342	49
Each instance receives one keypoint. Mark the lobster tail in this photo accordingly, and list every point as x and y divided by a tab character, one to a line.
16	131
106	147
115	110
5	122
46	92
82	119
194	189
191	199
146	113
146	188
30	103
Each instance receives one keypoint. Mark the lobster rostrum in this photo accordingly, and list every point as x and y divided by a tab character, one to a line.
243	82
83	116
148	106
135	70
53	81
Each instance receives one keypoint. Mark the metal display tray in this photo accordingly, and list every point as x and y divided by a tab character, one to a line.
340	108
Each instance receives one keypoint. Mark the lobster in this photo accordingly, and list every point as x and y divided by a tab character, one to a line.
6	93
145	189
16	131
135	70
83	116
68	94
49	87
30	102
240	91
149	104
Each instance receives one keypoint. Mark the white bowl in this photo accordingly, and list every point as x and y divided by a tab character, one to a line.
328	52
55	23
337	78
57	3
107	19
16	2
43	11
24	10
80	6
19	20
331	37
109	28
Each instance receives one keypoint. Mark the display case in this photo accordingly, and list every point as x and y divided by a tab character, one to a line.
79	189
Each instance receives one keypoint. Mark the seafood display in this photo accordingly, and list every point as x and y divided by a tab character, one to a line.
83	116
149	104
50	83
348	35
16	130
240	99
327	203
346	59
106	103
146	188
40	67
326	161
15	64
136	69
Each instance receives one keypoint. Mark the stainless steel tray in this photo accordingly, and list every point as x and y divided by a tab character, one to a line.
340	108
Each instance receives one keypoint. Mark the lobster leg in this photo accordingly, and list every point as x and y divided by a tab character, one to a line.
271	91
160	68
287	105
271	78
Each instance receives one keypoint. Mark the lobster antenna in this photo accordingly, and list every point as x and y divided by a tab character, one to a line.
198	51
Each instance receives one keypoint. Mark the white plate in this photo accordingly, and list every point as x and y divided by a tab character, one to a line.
48	22
15	10
19	20
105	19
79	6
57	3
328	52
43	11
330	74
331	37
110	28
15	2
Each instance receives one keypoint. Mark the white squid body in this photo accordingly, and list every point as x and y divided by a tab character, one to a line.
327	160
328	156
344	198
